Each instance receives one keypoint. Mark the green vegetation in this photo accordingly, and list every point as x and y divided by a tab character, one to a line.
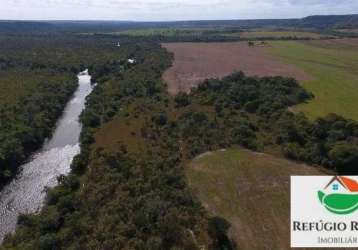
130	191
162	32
334	75
223	32
211	34
144	199
34	100
128	188
166	34
144	202
145	192
37	78
328	141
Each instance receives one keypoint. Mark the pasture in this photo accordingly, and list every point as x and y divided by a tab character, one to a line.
251	191
333	65
327	68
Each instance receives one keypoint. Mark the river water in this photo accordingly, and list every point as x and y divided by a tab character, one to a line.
25	194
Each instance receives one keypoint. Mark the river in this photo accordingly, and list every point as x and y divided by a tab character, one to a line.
25	194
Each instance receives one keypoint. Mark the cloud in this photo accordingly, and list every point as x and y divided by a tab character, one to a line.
171	9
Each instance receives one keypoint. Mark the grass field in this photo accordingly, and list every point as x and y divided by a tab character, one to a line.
250	190
281	34
334	65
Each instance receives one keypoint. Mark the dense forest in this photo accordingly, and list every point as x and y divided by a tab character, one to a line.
144	202
37	77
330	141
27	120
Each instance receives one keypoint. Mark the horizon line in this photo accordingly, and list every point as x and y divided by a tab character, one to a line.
162	21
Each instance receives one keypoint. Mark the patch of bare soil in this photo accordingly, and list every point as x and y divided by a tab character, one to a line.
195	62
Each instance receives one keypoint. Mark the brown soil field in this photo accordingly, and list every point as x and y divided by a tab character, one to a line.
251	191
195	62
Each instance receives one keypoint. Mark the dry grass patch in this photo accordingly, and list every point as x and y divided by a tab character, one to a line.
122	131
250	190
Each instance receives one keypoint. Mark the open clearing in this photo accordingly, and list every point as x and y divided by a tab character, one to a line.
251	191
195	62
334	67
327	68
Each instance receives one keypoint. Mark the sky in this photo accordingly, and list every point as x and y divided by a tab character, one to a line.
170	10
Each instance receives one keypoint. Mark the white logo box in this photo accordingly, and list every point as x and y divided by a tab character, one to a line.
312	225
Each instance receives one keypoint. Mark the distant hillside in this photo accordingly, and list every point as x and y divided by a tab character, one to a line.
311	22
61	26
24	26
329	22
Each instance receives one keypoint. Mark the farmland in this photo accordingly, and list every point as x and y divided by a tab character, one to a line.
282	34
195	62
333	65
327	68
250	190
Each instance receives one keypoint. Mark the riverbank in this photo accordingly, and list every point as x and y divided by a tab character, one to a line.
27	119
25	193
